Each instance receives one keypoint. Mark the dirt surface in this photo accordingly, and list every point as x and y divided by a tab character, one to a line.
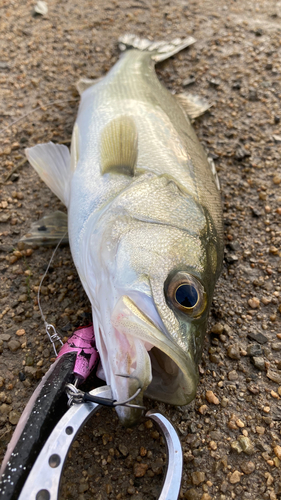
231	436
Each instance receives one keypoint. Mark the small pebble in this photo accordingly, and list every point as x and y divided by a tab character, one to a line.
20	332
211	398
217	328
148	424
108	488
269	478
224	402
233	352
277	451
248	467
14	417
254	350
254	303
192	494
232	424
14	345
274	376
203	409
23	297
213	445
131	490
157	466
29	360
143	451
155	434
215	358
276	346
276	179
41	8
140	469
233	375
259	362
5	337
123	449
239	423
4	408
246	445
235	477
258	337
197	477
266	300
260	430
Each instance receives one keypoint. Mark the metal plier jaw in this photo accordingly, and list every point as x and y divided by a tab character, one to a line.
34	466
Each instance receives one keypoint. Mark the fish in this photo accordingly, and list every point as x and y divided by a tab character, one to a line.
144	221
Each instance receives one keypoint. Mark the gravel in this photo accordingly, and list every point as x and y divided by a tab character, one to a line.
235	64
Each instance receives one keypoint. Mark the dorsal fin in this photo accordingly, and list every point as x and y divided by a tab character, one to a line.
159	51
119	146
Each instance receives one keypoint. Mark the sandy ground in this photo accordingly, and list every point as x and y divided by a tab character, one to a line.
232	444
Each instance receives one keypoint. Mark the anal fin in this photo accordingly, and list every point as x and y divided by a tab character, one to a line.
119	146
193	105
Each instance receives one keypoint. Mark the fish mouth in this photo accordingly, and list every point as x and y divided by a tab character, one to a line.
170	383
166	372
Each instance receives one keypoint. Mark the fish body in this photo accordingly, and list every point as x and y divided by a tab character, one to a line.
145	226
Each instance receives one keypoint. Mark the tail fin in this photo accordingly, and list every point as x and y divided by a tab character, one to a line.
159	50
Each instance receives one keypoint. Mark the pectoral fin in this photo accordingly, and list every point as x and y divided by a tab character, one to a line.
52	162
119	146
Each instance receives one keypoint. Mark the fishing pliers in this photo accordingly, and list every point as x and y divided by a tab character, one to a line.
57	411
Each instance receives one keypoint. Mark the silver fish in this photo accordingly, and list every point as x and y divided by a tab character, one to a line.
144	221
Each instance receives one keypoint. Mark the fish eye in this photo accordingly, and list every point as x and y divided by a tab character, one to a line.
185	293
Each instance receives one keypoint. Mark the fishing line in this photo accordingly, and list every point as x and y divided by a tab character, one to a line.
33	111
50	329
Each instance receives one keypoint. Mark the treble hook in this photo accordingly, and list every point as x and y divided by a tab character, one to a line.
78	396
139	389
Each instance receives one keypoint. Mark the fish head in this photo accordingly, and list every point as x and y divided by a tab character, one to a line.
162	280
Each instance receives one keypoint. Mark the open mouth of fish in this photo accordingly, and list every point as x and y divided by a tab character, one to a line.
166	372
